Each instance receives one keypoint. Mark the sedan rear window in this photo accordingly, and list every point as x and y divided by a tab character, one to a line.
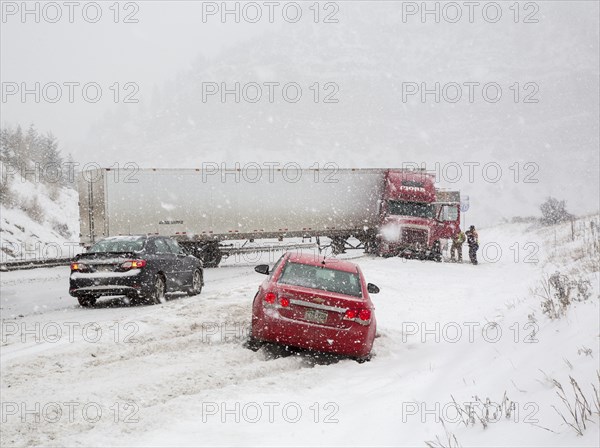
318	277
119	245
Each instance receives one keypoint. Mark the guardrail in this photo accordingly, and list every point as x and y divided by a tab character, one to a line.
35	263
52	262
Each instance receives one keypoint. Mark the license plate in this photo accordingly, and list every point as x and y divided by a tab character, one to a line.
316	316
104	268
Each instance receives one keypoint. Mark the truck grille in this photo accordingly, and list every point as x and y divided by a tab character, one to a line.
414	236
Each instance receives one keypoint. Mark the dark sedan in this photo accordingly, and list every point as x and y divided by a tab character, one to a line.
143	268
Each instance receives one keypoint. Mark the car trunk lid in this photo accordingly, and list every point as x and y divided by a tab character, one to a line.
103	261
316	306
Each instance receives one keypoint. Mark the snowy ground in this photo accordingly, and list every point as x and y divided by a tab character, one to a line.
176	374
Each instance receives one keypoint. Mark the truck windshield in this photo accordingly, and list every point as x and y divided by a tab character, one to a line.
403	208
119	245
318	277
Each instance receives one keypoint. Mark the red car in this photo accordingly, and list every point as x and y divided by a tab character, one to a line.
319	304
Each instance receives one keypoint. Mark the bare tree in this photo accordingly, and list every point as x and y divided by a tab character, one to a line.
554	211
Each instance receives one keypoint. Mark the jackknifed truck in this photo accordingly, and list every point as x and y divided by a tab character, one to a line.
387	212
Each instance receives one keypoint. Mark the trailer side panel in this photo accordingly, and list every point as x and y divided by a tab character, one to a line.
248	204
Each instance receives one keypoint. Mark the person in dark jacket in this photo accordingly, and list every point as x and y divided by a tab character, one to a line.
473	242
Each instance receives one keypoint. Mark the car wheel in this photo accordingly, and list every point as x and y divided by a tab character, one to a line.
196	287
86	301
159	290
253	344
135	299
363	359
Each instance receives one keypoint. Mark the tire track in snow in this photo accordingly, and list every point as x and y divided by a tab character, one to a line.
171	358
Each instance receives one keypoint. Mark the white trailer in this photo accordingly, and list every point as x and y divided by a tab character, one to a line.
201	208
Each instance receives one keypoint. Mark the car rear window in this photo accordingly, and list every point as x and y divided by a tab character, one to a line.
318	277
175	248
161	246
119	245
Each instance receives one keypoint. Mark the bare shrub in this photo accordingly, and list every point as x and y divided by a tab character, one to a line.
554	212
62	229
582	289
6	195
558	291
450	442
579	411
484	412
33	209
54	191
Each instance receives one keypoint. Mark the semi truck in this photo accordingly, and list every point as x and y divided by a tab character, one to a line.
387	212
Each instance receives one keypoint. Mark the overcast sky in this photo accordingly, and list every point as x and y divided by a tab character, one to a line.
166	39
368	47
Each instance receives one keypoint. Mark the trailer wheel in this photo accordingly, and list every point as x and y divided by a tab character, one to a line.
212	260
338	245
211	255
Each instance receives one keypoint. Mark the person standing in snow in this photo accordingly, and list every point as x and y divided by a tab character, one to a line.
473	242
457	241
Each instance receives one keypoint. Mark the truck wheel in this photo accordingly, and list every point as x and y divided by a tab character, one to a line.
371	247
436	252
159	290
338	245
196	287
87	301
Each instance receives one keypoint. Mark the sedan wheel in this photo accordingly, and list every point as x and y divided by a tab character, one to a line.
363	359
159	291
253	344
196	284
87	302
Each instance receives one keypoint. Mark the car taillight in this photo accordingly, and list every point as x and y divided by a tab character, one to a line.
284	302
133	264
364	314
76	266
270	297
351	314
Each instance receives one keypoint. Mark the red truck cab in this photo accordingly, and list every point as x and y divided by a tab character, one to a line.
415	216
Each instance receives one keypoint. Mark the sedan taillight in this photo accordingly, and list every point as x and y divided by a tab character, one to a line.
270	297
133	264
351	314
75	266
362	315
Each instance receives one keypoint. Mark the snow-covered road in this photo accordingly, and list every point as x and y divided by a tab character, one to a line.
39	291
177	374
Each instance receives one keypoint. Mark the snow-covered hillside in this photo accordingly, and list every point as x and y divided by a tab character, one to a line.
40	221
177	373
